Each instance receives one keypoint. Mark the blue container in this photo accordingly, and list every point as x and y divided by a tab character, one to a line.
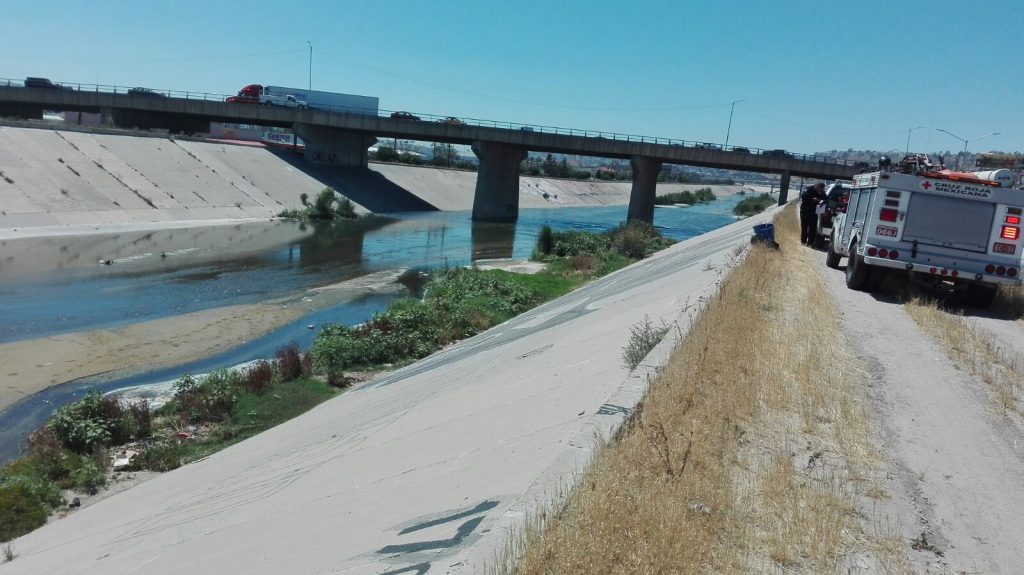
764	232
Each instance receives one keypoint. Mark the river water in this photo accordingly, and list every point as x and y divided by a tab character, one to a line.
66	283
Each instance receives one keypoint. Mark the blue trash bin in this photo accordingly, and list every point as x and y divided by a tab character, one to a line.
764	233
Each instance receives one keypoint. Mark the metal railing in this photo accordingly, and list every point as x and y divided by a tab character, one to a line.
450	120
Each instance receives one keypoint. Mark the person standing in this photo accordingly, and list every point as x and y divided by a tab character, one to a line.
809	200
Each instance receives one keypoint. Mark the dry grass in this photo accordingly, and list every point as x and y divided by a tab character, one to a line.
750	452
975	349
1010	300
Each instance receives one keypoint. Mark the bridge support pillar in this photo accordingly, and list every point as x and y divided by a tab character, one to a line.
332	146
645	181
497	182
784	188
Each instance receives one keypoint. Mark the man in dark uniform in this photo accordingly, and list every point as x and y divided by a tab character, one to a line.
809	200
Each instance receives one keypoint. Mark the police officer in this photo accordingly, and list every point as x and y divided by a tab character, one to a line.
809	200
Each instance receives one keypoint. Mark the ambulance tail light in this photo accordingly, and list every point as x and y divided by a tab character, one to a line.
888	215
1010	233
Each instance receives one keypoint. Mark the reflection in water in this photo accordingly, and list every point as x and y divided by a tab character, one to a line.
492	240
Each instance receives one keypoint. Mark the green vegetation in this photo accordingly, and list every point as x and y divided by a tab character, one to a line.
753	205
327	206
459	303
72	451
701	196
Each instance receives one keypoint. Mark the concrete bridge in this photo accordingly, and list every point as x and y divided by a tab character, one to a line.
343	139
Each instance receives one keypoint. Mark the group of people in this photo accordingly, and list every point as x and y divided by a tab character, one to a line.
809	200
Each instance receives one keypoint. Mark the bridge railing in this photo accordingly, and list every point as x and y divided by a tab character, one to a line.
451	120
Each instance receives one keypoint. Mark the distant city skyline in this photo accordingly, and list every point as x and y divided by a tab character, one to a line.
805	76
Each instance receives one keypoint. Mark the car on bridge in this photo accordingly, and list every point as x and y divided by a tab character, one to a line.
777	153
741	150
708	146
145	92
36	82
404	116
452	121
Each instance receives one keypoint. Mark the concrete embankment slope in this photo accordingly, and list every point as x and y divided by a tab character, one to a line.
79	181
425	471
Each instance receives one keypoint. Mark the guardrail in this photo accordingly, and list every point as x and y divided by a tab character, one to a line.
451	120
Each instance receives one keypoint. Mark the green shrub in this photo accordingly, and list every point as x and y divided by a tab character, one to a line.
753	205
20	511
158	457
84	425
210	399
46	492
345	209
89	477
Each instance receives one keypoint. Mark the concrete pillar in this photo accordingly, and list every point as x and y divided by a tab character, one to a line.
497	182
784	188
332	146
645	181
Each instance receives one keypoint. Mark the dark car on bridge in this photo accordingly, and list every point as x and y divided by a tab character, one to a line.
452	121
741	150
34	82
777	153
145	92
404	116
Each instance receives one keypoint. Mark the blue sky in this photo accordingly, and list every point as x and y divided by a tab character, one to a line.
814	75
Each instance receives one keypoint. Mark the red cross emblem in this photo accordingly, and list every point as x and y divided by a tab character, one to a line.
926	185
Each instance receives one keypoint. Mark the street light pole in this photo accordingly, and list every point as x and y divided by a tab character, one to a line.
964	167
910	131
310	64
729	130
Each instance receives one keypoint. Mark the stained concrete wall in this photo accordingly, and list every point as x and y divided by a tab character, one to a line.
54	178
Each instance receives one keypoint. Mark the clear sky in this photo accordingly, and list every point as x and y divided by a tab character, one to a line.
813	75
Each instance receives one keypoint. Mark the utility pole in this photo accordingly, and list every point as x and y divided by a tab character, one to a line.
310	64
910	131
732	108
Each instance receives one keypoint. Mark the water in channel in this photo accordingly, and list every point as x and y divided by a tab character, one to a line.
65	284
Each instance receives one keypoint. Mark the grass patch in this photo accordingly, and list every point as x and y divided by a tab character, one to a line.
753	205
746	455
972	347
328	205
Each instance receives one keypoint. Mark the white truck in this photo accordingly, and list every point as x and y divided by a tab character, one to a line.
950	231
303	98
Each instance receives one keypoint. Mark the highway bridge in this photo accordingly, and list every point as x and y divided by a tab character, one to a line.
343	139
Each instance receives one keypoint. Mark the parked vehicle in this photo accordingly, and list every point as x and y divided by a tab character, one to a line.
953	232
837	194
34	82
404	116
145	92
330	101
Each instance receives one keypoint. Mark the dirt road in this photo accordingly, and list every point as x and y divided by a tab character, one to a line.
955	459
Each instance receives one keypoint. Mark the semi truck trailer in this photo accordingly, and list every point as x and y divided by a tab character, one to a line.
329	101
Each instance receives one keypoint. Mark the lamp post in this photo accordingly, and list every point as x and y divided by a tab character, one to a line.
910	131
732	108
964	167
310	64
